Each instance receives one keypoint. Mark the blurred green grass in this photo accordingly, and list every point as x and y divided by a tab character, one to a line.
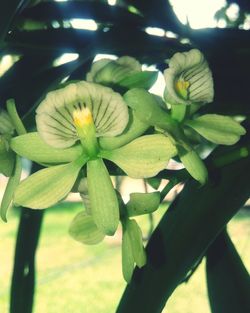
75	278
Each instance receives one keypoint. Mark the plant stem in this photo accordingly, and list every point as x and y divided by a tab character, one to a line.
18	124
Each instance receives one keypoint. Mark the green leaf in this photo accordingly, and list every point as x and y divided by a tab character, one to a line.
103	200
7	158
143	203
144	80
10	189
83	229
144	156
48	186
135	236
32	147
134	129
147	108
193	164
218	128
128	262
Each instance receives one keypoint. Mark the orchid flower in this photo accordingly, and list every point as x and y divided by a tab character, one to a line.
70	123
188	79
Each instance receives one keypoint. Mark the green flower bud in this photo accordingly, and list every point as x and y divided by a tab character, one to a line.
107	71
125	72
188	79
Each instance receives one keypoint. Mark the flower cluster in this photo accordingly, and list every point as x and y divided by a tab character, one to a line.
88	130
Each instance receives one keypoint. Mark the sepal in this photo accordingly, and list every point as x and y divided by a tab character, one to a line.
84	230
144	157
218	129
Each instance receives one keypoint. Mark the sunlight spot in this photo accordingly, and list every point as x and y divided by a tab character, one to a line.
155	31
246	24
199	14
55	24
6	62
170	34
221	23
64	79
112	2
185	41
88	24
104	56
233	12
65	58
159	85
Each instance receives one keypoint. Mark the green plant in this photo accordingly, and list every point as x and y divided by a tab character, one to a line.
96	119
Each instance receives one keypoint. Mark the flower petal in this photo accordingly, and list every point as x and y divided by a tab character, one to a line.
128	262
32	147
103	200
48	186
143	157
83	229
216	128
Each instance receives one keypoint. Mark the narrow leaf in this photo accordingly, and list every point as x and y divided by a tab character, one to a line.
135	236
48	186
10	189
218	128
83	229
144	156
127	256
32	147
143	203
103	200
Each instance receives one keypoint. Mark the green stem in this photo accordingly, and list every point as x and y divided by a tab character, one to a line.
178	112
231	156
11	108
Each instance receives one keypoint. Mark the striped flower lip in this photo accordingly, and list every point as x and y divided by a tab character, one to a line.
64	111
188	79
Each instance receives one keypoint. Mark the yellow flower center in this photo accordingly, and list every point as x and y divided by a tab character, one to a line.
182	88
82	117
86	131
